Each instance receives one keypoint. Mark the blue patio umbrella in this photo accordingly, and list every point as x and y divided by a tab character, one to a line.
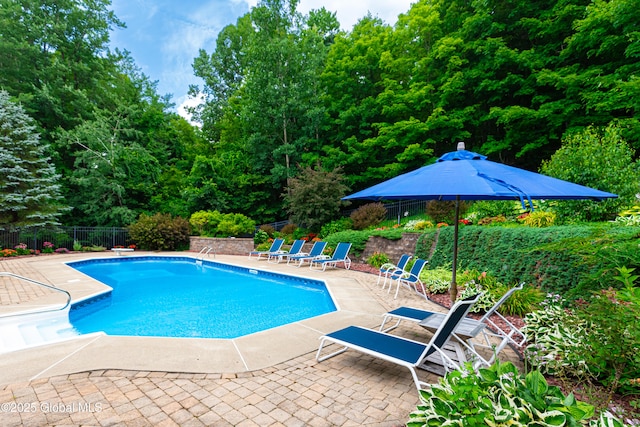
464	175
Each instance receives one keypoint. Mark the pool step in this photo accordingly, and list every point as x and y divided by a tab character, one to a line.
30	330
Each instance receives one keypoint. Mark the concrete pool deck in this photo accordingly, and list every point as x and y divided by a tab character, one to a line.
267	378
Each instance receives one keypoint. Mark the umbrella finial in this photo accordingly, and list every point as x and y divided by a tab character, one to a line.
460	146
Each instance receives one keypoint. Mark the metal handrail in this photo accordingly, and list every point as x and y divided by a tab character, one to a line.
15	276
203	253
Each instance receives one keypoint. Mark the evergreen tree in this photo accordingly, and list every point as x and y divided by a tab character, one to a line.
29	190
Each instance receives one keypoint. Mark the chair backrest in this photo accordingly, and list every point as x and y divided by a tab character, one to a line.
296	247
402	262
342	250
317	248
416	269
504	297
276	245
456	314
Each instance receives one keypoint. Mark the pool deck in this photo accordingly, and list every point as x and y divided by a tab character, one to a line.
266	378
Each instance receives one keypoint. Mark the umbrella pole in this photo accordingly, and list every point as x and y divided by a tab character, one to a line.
454	286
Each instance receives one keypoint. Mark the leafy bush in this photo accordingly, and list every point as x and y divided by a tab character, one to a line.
234	225
377	259
205	223
436	280
268	228
444	211
216	224
160	232
314	197
368	215
497	396
594	342
336	226
288	229
598	158
417	225
492	208
260	237
540	219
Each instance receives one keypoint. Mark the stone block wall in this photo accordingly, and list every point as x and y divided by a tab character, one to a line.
242	246
226	246
393	248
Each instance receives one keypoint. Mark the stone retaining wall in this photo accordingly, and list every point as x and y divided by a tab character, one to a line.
224	246
242	246
392	248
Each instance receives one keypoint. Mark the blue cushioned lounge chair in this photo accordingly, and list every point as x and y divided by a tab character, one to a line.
387	269
496	335
316	251
276	246
296	249
402	351
340	255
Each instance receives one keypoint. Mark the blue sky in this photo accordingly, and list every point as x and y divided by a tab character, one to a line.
164	36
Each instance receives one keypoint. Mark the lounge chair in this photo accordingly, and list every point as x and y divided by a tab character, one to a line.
275	248
410	279
502	334
402	351
316	251
340	255
296	249
387	269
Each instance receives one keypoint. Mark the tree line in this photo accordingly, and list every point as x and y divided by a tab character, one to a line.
287	92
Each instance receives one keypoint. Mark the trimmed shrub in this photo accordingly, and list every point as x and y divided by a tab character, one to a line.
368	215
268	228
289	229
160	232
445	211
336	226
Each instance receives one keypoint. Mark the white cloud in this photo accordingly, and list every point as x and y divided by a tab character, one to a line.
351	11
185	102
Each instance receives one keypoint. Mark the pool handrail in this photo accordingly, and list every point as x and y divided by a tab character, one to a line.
24	313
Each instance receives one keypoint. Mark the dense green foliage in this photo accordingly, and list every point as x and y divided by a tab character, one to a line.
592	343
596	159
285	92
509	78
313	198
498	396
29	186
368	215
569	260
216	224
160	232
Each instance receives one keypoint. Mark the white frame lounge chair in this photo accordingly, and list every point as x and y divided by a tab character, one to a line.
387	269
410	279
402	351
340	255
316	251
276	247
296	249
468	327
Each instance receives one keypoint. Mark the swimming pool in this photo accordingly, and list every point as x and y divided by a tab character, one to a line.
184	297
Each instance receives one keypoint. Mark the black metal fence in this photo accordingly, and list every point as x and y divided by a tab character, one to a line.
398	210
108	237
65	237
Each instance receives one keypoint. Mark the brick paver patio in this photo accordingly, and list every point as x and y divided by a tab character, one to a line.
348	390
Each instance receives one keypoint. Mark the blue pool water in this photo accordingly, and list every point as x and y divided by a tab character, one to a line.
179	297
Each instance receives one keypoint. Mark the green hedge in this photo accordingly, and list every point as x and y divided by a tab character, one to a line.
569	260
